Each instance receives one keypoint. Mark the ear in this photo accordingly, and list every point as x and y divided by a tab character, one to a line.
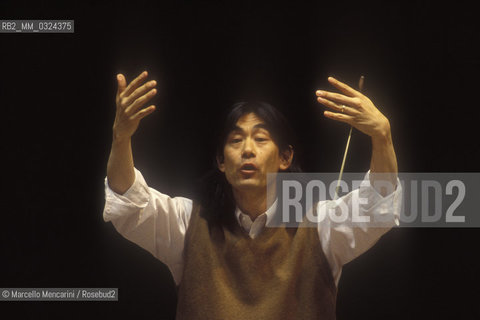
220	164
286	158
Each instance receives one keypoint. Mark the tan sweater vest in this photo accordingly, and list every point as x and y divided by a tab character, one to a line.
281	274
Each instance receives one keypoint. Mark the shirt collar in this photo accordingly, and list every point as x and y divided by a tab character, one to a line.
269	213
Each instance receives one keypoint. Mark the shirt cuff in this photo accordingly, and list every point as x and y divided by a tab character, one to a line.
136	197
382	205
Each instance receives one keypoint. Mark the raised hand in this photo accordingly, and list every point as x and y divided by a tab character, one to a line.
130	100
355	109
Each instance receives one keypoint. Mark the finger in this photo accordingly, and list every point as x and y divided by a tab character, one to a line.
137	104
143	113
338	116
135	83
337	107
344	88
121	83
339	98
140	91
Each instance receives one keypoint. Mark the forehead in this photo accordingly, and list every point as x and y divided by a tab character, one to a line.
250	120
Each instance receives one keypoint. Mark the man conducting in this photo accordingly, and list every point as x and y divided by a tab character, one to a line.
227	258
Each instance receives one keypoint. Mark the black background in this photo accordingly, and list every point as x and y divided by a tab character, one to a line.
421	62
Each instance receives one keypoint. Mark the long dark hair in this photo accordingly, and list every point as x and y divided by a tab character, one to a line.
215	192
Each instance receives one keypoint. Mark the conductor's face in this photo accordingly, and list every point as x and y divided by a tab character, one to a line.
250	153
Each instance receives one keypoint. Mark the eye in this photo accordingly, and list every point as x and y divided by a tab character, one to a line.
260	139
235	140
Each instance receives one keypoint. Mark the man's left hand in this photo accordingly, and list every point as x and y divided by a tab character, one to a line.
354	108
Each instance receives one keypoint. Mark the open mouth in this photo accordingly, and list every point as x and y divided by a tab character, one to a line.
248	168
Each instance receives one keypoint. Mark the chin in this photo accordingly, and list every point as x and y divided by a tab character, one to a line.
248	184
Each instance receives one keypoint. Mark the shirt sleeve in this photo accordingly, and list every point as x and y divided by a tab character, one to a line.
343	242
152	220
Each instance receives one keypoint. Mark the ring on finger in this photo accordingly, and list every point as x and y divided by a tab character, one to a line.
343	108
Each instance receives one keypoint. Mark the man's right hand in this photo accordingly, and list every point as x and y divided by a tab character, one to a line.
130	100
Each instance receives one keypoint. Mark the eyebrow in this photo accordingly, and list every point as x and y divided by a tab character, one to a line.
257	126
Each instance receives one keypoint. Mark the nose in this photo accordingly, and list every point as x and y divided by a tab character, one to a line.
248	148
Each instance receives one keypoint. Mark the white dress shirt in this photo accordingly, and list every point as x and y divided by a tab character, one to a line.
158	223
